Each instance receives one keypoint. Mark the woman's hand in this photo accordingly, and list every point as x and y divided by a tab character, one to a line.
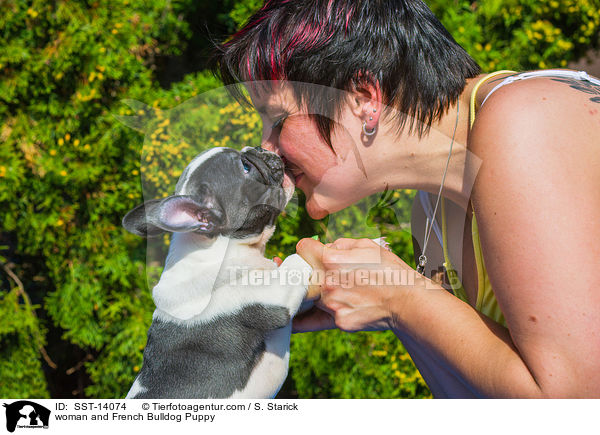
358	282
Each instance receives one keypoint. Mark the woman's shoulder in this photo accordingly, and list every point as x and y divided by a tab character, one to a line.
542	117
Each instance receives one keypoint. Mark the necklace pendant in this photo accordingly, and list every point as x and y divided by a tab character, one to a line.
422	263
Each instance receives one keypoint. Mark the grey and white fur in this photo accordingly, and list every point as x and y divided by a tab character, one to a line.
212	335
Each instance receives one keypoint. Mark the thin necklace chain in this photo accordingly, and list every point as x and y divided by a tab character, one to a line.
428	224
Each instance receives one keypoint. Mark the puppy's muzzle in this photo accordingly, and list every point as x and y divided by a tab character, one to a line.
268	163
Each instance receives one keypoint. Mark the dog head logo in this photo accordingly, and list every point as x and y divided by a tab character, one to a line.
26	414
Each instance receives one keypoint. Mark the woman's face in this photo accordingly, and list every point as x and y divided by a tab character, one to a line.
331	179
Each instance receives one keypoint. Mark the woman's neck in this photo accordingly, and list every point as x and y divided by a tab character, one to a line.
410	162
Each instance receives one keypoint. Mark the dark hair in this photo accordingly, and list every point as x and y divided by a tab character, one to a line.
342	44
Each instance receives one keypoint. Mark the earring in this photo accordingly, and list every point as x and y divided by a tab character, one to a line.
368	133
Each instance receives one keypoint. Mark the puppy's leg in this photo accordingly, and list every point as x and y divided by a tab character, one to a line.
292	269
264	317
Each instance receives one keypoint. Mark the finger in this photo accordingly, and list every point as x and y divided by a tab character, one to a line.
277	261
313	320
356	256
311	251
345	243
314	289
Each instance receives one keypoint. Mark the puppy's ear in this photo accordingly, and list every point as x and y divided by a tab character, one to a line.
178	213
184	213
139	221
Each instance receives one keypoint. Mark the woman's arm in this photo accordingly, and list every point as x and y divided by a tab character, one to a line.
442	382
537	200
463	352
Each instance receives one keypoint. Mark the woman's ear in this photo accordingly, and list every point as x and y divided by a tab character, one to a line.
366	103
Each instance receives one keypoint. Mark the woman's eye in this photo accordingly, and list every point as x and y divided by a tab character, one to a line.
279	122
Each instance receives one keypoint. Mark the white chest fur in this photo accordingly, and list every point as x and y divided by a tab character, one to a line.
203	281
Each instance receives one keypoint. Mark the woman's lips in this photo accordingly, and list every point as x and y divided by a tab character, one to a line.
292	171
288	184
288	179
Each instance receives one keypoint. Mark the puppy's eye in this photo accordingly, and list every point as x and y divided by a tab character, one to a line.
247	167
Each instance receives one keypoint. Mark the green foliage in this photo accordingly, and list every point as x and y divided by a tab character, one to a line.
68	174
335	364
74	77
242	10
522	34
20	342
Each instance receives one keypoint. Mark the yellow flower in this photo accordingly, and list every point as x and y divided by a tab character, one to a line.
100	68
61	141
102	49
87	147
114	31
52	152
67	137
63	173
32	13
60	223
135	172
136	369
76	142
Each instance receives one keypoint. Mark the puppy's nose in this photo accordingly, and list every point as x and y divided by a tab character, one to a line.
275	165
272	161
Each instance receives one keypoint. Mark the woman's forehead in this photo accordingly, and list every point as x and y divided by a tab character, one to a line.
275	97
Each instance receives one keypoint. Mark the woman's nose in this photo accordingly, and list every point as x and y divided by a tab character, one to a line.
271	144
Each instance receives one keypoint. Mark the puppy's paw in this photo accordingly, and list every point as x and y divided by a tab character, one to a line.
297	263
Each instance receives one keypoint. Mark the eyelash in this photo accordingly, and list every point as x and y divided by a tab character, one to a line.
279	122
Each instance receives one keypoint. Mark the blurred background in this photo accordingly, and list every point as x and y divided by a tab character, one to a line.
75	76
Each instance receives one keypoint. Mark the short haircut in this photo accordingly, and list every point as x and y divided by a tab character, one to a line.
342	44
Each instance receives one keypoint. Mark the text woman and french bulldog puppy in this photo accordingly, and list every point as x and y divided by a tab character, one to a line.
212	335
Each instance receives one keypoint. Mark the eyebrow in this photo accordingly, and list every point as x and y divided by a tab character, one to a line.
273	109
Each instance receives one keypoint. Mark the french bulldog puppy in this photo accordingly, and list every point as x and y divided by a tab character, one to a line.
216	333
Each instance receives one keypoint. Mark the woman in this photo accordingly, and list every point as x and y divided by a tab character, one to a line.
526	319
